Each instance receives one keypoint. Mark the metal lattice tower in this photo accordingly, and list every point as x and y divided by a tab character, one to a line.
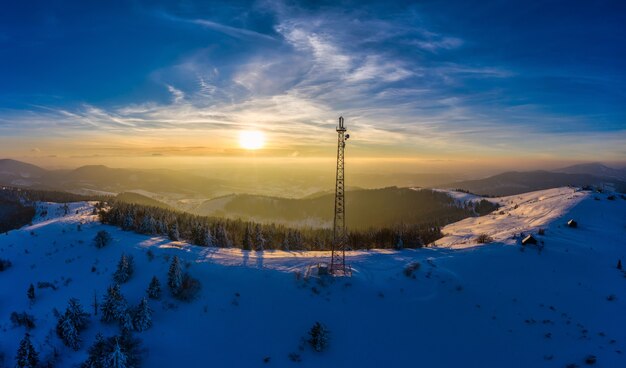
338	257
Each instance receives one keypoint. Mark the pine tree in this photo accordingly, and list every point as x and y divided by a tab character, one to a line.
318	244
286	240
175	276
114	304
126	321
77	314
399	243
129	221
247	239
208	238
71	323
299	242
197	234
116	359
125	269
129	345
142	320
148	226
318	337
97	353
619	264
66	329
259	240
154	289
222	237
269	236
102	239
161	227
26	357
173	233
419	243
31	293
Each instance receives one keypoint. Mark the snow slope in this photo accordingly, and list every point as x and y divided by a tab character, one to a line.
523	213
489	306
461	197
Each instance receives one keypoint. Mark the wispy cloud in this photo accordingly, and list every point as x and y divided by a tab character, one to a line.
232	31
399	84
177	94
240	33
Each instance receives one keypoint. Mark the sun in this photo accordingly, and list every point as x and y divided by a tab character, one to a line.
251	139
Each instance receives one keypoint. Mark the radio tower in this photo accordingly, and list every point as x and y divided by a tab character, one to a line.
338	257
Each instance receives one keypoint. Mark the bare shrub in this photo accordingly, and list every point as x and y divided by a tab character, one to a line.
484	238
411	268
4	264
46	285
23	319
189	289
102	239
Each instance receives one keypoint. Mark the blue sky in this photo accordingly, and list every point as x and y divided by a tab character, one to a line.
430	79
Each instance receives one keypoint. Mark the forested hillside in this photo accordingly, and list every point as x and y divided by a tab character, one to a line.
385	207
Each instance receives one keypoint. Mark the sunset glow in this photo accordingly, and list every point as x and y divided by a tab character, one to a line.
415	80
251	140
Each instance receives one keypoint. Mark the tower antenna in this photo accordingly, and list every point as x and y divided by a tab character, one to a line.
338	257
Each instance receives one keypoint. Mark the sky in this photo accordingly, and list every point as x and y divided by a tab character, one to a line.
418	82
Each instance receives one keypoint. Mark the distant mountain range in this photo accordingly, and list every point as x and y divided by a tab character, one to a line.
511	183
171	185
595	169
98	178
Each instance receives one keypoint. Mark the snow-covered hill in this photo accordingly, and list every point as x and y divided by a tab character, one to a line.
523	213
487	306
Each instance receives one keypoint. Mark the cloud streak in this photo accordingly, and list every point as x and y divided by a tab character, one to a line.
404	88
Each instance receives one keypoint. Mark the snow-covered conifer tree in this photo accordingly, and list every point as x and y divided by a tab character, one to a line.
259	240
208	238
142	320
318	337
154	289
71	323
26	357
114	304
221	237
175	276
399	242
148	226
129	221
126	321
286	241
116	359
298	241
197	234
247	239
97	353
125	269
161	227
66	329
173	233
77	314
102	239
318	244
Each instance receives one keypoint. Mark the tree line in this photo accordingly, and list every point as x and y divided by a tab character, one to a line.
226	233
